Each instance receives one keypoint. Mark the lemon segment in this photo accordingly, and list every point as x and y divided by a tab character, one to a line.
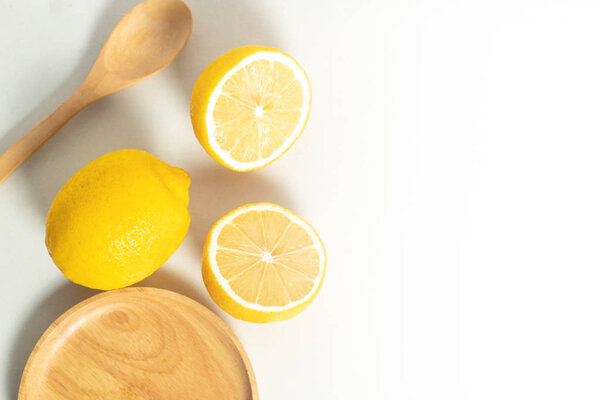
263	263
249	106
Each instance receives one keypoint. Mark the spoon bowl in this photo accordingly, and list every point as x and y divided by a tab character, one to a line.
144	42
147	39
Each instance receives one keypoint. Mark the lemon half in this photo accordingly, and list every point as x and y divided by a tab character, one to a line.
249	106
263	263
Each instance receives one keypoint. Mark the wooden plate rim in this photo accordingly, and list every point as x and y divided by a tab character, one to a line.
148	290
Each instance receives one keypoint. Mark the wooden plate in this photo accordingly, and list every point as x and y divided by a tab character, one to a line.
138	343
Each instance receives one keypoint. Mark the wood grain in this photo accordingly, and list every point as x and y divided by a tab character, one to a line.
138	343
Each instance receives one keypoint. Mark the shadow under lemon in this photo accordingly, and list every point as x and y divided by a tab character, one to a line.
216	190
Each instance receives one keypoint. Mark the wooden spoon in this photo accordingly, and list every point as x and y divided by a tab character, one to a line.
145	41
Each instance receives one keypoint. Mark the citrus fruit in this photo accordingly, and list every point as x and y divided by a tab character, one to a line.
263	263
118	219
249	106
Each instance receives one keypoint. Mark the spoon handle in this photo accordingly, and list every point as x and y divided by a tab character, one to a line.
36	137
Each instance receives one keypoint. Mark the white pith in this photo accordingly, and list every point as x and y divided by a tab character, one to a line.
299	75
212	251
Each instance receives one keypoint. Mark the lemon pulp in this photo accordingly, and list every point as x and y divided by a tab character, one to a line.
249	106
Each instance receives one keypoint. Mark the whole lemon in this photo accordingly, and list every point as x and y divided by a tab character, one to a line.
118	219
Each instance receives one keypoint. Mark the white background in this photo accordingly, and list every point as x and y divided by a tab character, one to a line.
450	165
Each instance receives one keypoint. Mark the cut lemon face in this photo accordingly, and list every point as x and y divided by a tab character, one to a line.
249	106
263	263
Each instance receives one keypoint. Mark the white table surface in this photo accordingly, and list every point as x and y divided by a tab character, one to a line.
450	164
